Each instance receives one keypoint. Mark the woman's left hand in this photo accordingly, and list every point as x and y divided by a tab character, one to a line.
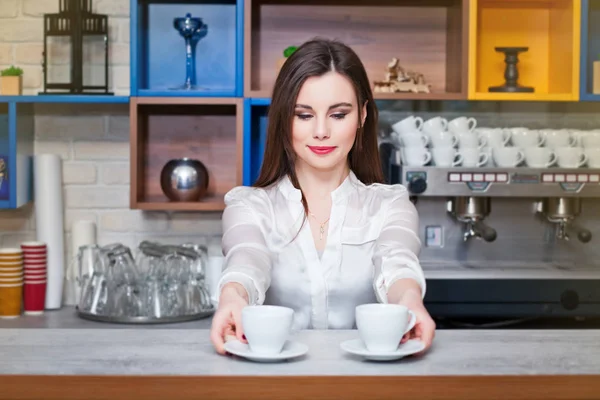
424	328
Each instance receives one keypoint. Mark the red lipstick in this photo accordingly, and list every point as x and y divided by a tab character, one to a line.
321	150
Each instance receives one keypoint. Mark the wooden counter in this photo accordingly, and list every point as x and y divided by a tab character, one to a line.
178	362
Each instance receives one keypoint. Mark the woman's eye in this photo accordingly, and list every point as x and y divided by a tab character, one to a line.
304	117
339	115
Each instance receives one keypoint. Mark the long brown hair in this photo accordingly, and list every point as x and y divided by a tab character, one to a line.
315	58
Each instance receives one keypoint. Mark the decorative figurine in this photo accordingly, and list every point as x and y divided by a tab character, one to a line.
511	74
75	21
192	29
286	53
398	79
11	81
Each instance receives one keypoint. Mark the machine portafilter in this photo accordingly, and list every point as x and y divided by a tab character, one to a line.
472	211
562	211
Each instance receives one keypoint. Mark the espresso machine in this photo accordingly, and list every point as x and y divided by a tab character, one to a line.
511	235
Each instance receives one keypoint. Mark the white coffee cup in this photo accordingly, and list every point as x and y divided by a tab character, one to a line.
413	138
559	138
539	157
462	124
446	156
473	157
527	138
443	139
267	328
415	156
381	326
408	124
570	157
470	140
495	137
507	157
593	156
435	124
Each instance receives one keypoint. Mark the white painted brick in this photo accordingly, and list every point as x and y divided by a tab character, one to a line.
120	77
72	216
79	173
125	31
14	239
97	197
9	8
10	221
22	30
37	8
127	239
69	127
101	150
117	8
29	53
133	221
114	173
119	54
199	223
113	29
118	126
63	149
6	53
32	76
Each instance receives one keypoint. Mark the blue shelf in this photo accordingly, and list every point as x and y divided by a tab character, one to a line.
590	48
16	148
65	98
158	51
255	137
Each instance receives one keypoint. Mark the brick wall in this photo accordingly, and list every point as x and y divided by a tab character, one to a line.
93	141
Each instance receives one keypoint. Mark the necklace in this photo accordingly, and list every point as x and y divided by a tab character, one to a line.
322	227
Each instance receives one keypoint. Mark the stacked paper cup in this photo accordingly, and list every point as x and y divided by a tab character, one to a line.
34	265
11	282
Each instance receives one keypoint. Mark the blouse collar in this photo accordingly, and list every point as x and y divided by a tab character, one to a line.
346	187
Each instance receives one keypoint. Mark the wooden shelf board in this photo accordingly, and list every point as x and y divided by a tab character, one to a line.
187	100
437	30
419	96
187	93
524	96
65	98
590	97
157	203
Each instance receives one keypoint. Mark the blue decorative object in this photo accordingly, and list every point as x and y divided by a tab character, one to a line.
192	29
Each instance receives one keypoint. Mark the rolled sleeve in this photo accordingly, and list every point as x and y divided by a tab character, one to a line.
247	257
397	250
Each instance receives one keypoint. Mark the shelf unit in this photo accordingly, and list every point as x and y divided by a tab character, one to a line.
208	129
450	41
158	51
550	28
428	36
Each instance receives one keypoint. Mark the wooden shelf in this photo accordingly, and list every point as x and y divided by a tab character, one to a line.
207	129
255	138
158	62
427	36
67	98
551	30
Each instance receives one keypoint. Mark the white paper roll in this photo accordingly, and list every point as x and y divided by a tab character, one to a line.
83	233
49	206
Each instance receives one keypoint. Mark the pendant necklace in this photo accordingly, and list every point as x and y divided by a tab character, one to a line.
322	227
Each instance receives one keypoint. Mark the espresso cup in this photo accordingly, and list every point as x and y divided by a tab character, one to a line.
495	137
415	156
570	157
443	139
473	157
507	157
559	138
593	156
527	138
539	157
381	326
267	328
435	124
462	124
408	124
471	140
413	139
446	156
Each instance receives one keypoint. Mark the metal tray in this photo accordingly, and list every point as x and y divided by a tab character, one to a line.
144	320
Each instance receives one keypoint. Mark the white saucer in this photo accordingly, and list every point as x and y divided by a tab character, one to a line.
291	349
357	347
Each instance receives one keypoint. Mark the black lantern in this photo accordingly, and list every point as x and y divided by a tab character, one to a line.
76	22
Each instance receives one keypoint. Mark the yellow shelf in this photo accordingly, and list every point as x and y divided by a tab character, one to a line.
551	31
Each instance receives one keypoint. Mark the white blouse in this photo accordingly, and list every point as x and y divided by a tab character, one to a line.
372	241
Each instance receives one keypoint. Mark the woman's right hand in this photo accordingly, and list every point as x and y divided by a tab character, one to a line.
227	320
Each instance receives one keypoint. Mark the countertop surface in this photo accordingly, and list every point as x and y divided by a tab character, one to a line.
59	343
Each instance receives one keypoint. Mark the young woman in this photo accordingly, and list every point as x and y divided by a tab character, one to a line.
319	232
